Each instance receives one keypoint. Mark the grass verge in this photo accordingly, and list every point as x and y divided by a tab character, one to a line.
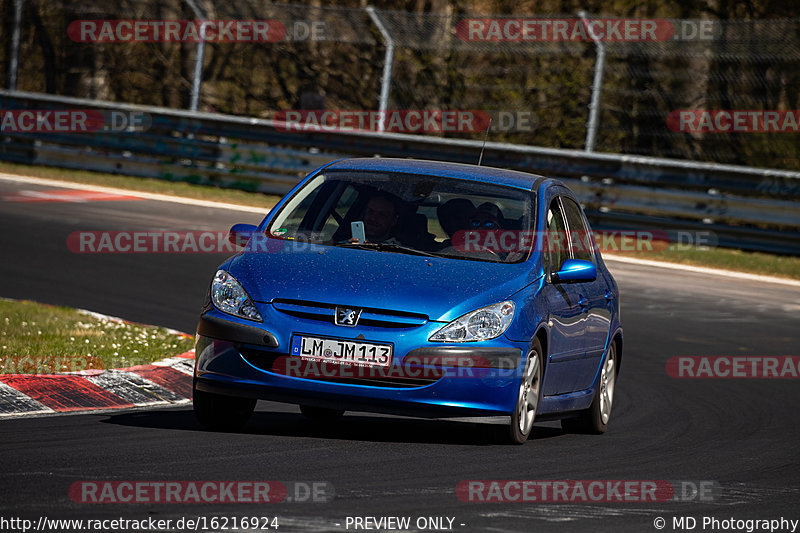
43	339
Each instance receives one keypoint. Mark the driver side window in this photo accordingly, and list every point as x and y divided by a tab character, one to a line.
580	238
557	245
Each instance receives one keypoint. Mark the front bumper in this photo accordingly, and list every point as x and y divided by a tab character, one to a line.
426	379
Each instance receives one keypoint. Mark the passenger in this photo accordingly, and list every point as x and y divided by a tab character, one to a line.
486	216
454	215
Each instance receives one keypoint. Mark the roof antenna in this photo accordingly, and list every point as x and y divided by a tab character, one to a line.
486	135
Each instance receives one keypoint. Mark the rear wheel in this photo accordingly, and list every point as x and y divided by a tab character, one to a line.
321	414
596	418
221	413
528	397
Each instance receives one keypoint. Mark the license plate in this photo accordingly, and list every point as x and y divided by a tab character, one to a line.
341	351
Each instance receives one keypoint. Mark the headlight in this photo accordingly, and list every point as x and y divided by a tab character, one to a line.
229	297
479	325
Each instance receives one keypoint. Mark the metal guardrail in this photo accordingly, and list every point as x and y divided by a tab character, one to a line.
750	208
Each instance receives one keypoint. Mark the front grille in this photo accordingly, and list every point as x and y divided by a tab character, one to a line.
325	312
399	377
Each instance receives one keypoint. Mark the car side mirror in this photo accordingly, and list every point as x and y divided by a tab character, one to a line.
575	270
241	233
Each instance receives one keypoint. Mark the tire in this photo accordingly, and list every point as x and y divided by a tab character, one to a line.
221	413
530	390
595	419
321	414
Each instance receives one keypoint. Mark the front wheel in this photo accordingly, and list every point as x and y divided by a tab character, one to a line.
528	397
595	419
221	413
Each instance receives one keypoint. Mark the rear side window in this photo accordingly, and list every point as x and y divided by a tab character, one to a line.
579	237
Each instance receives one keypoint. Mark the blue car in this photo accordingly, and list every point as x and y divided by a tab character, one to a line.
416	288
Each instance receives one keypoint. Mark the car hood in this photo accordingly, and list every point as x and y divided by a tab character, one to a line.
442	289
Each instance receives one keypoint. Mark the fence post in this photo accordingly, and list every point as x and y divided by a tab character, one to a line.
13	64
597	85
387	67
197	79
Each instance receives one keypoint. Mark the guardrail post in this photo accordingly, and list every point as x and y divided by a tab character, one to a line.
13	64
387	66
597	85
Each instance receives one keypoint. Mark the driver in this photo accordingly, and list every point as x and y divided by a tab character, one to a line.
380	219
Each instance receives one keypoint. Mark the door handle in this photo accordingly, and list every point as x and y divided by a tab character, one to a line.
609	300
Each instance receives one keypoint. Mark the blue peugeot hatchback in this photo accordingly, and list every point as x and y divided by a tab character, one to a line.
416	288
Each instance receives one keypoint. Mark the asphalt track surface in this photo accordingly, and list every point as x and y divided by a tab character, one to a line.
742	434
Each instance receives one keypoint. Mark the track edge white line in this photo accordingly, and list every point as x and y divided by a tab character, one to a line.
138	194
702	270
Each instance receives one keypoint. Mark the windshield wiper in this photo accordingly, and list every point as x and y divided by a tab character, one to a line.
403	248
386	247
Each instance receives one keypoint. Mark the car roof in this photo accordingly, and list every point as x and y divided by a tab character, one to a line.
499	176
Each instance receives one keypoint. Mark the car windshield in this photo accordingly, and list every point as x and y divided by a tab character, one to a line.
411	214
